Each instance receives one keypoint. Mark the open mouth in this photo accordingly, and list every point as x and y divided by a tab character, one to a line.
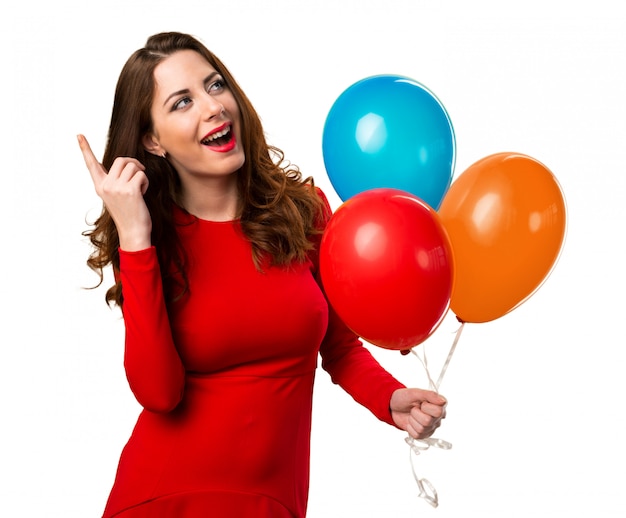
219	138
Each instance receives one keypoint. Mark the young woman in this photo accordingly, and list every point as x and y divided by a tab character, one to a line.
213	242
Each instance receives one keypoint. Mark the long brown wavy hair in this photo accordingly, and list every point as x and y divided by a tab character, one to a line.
279	210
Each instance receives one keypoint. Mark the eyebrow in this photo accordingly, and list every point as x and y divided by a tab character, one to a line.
186	90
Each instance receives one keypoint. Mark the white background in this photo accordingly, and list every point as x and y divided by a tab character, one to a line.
536	410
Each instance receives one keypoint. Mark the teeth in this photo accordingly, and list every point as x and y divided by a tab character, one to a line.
217	135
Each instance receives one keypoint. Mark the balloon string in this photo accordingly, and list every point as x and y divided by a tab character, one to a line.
416	446
447	362
424	362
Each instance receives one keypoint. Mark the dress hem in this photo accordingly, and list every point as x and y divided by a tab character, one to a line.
201	503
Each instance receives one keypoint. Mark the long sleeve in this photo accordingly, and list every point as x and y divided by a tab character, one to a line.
153	367
348	362
353	367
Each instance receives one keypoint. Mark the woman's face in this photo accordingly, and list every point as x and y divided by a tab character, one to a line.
195	117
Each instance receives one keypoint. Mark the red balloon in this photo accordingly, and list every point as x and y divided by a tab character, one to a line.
386	266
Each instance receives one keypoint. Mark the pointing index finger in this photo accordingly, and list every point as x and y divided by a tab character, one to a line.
95	168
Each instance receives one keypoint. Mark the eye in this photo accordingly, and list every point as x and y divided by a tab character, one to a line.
181	103
216	86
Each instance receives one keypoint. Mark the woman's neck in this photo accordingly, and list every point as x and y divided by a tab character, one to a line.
212	199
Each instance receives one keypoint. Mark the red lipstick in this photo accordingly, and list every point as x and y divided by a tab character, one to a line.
221	139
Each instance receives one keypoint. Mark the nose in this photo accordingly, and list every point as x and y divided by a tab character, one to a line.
211	107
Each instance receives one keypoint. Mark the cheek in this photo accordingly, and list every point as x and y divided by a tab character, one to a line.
178	133
232	108
238	124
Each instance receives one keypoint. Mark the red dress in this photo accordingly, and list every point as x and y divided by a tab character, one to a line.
226	381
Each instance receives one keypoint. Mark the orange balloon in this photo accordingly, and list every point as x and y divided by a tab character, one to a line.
506	219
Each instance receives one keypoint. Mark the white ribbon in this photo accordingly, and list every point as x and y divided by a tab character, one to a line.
426	490
416	446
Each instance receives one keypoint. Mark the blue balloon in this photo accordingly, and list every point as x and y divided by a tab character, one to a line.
389	131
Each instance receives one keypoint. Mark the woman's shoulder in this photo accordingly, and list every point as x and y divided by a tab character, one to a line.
325	209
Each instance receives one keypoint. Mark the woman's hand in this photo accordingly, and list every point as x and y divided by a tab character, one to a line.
122	190
417	411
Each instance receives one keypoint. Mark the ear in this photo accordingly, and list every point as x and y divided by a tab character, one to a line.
151	144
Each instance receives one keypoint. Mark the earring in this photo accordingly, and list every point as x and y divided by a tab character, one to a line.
164	154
